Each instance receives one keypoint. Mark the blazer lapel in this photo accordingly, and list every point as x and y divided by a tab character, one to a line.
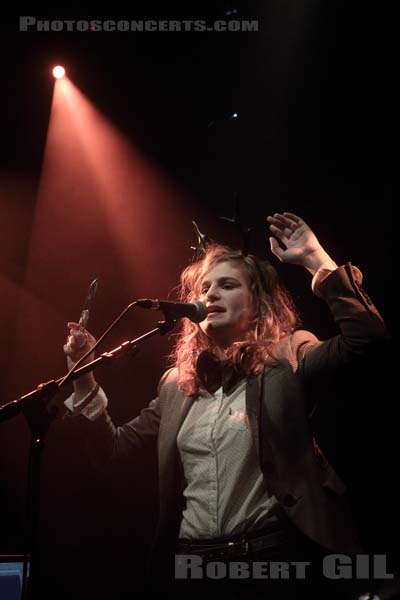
175	414
253	407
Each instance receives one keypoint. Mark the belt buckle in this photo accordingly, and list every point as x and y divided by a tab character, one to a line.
239	548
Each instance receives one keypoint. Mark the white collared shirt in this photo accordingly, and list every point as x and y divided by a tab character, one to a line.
225	491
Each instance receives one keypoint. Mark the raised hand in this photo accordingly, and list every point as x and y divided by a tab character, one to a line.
78	343
301	244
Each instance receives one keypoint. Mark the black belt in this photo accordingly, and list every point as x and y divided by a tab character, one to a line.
244	546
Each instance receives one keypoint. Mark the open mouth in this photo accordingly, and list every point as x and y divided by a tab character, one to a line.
214	310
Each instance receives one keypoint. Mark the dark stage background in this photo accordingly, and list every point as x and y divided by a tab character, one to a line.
312	137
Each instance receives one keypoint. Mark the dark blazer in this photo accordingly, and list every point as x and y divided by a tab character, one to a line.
278	405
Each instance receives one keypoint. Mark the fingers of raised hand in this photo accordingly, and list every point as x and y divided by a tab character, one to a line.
78	339
282	234
294	218
275	248
287	226
285	220
280	228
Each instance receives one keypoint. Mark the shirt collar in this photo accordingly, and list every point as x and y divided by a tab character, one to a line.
214	373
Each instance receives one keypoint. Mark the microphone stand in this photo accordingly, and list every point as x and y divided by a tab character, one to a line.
39	412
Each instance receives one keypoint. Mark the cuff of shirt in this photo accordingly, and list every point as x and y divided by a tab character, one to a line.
325	269
92	405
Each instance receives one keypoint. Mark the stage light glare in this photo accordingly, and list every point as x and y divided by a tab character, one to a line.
58	72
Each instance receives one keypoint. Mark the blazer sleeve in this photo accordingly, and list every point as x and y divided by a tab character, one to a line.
108	444
361	326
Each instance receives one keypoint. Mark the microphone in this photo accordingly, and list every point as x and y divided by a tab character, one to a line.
195	311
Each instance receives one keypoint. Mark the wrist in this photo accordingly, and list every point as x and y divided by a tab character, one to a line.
319	259
84	384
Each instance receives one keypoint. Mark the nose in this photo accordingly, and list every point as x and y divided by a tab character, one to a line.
212	294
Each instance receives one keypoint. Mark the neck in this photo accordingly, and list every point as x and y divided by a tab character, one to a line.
220	352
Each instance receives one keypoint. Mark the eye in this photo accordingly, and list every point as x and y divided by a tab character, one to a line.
228	286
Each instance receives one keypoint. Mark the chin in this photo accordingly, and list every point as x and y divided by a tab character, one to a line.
217	326
216	332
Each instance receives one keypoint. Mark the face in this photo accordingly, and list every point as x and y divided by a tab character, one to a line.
225	291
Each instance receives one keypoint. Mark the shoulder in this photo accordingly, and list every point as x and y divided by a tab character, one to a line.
168	381
289	347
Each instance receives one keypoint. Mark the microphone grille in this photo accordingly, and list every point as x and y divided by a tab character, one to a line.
201	311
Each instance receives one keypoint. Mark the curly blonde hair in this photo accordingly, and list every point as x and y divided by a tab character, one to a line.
275	316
